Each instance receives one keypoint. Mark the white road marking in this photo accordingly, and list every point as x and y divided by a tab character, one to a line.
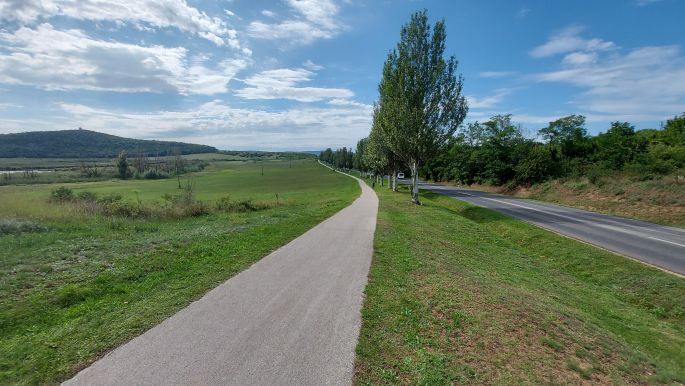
666	241
616	229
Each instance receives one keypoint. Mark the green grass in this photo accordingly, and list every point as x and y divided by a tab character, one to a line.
462	294
653	198
86	284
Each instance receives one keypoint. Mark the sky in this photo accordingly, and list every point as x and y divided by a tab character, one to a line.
303	74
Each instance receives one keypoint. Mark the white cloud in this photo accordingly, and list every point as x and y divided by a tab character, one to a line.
312	19
642	3
282	84
568	40
496	74
646	81
62	60
153	13
488	101
312	66
220	125
578	58
348	102
8	106
522	13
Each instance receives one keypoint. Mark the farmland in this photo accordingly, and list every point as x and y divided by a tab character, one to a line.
77	282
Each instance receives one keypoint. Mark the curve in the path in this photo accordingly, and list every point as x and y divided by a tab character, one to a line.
292	318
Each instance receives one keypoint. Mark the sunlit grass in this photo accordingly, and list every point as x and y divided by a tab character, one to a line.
462	294
85	284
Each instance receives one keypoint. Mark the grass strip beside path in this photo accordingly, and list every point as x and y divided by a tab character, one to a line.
462	294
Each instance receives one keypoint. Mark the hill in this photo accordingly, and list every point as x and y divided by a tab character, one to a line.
87	144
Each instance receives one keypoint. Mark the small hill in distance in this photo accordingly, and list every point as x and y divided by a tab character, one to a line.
87	144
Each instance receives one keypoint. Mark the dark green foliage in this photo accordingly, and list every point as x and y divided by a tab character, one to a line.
495	152
225	204
122	165
619	146
153	174
340	158
87	144
62	194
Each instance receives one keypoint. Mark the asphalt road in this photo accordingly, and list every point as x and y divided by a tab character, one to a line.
293	318
657	245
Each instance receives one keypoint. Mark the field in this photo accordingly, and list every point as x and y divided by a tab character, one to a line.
75	283
462	294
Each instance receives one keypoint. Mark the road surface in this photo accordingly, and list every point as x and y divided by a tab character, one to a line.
293	318
653	244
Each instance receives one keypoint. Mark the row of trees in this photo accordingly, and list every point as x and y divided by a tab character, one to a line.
340	158
420	110
496	152
420	104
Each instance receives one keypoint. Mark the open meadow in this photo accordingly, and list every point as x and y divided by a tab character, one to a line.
83	271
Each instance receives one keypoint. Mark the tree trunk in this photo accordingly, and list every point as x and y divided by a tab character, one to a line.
389	182
415	183
394	181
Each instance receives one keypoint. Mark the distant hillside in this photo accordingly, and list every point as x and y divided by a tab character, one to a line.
87	144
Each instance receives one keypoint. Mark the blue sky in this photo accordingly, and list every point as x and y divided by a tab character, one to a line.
302	74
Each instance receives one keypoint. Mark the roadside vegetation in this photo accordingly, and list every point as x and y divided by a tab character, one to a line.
658	199
84	267
485	299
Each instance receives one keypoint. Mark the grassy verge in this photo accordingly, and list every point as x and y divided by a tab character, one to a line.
73	286
658	199
462	294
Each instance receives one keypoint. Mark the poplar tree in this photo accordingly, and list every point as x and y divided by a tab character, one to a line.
420	105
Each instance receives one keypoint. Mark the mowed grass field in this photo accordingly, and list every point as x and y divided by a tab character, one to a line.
461	294
83	284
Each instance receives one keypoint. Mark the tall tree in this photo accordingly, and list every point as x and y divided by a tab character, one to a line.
420	95
122	165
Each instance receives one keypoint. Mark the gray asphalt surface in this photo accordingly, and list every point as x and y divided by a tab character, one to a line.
293	318
653	244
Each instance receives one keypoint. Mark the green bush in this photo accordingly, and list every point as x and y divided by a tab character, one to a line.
62	194
110	198
225	204
87	196
152	174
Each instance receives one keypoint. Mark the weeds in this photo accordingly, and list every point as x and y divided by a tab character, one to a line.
225	204
9	226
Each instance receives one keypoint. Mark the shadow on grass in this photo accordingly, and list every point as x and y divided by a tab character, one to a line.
470	212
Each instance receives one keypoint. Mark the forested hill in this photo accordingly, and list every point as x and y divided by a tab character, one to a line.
87	144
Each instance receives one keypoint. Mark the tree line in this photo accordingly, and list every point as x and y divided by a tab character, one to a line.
417	126
496	152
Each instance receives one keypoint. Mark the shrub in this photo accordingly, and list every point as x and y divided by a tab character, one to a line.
62	194
152	174
110	198
195	209
15	226
125	209
225	204
596	176
87	196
